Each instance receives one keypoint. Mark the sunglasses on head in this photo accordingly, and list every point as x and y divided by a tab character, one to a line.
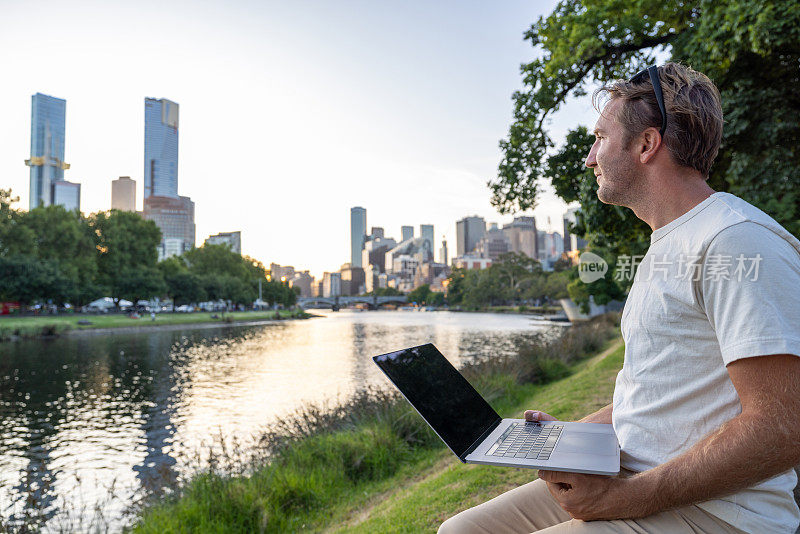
652	71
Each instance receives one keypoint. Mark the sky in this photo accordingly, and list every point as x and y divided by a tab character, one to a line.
291	113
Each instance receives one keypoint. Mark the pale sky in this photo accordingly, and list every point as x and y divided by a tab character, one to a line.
290	112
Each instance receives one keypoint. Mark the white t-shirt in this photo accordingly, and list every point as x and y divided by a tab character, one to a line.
719	283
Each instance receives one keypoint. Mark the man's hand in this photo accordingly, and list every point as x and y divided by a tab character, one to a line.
603	415
535	415
594	497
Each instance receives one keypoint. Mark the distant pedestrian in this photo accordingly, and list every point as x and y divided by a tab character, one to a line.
152	316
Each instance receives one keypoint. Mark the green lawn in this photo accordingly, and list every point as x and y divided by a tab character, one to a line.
50	324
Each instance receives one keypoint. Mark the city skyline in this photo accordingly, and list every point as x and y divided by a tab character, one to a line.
410	150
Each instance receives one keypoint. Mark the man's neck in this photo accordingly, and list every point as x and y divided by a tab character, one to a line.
671	197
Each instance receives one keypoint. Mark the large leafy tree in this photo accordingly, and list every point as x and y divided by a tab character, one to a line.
66	240
26	280
749	48
128	252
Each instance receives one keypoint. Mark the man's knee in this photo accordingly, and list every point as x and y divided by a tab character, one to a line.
448	527
461	523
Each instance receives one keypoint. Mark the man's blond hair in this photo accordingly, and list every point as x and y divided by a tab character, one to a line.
694	113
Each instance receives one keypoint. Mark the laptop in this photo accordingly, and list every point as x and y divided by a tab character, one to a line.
476	434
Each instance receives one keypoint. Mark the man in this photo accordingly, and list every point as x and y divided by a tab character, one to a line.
707	405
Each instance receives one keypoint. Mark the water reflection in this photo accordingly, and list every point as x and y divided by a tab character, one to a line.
79	415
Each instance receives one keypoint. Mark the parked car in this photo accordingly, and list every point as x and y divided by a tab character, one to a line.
185	308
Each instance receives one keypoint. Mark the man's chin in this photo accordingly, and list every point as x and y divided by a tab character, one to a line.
603	195
607	197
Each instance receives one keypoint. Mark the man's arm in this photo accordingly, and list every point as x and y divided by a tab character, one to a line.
603	415
759	443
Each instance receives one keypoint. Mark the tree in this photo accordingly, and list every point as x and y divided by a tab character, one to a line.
420	295
750	49
65	239
137	282
386	292
27	280
13	240
226	275
456	283
128	251
516	270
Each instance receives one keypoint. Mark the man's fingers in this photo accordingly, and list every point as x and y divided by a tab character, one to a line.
555	476
536	415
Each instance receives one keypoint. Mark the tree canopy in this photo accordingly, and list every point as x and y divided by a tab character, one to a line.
49	254
750	49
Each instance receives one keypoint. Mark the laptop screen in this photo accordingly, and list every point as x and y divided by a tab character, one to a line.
441	395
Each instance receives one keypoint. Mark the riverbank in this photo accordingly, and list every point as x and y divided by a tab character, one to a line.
12	328
373	464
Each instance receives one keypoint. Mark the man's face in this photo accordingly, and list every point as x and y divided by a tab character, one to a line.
614	165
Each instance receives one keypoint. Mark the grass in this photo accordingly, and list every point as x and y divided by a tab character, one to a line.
373	465
25	327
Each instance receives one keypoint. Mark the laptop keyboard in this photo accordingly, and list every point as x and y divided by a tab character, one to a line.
527	440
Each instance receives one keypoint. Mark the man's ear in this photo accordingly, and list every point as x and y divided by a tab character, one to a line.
650	140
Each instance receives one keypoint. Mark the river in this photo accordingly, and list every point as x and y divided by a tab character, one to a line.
89	421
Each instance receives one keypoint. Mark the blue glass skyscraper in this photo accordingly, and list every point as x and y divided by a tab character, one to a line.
358	234
160	148
48	119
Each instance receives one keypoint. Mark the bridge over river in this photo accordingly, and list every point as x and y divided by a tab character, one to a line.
336	303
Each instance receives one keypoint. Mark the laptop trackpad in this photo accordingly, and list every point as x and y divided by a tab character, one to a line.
585	442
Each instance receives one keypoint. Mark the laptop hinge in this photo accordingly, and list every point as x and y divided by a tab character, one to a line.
478	441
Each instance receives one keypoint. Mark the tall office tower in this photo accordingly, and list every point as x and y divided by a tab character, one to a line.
494	244
375	251
523	236
175	218
376	231
331	284
571	241
469	231
426	231
232	240
407	232
67	194
358	234
123	194
443	251
160	148
48	120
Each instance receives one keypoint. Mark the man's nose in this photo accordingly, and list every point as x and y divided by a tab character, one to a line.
591	161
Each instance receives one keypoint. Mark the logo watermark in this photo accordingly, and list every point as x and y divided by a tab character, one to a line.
591	267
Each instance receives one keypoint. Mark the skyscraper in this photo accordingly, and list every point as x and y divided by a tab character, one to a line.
572	242
231	239
67	194
407	232
358	234
443	251
426	231
523	236
123	194
160	148
175	218
48	122
172	213
469	231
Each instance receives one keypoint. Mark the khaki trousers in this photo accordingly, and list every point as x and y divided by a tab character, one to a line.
531	508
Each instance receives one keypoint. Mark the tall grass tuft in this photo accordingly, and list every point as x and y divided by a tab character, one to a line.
16	330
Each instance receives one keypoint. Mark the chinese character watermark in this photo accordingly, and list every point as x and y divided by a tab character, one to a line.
716	268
